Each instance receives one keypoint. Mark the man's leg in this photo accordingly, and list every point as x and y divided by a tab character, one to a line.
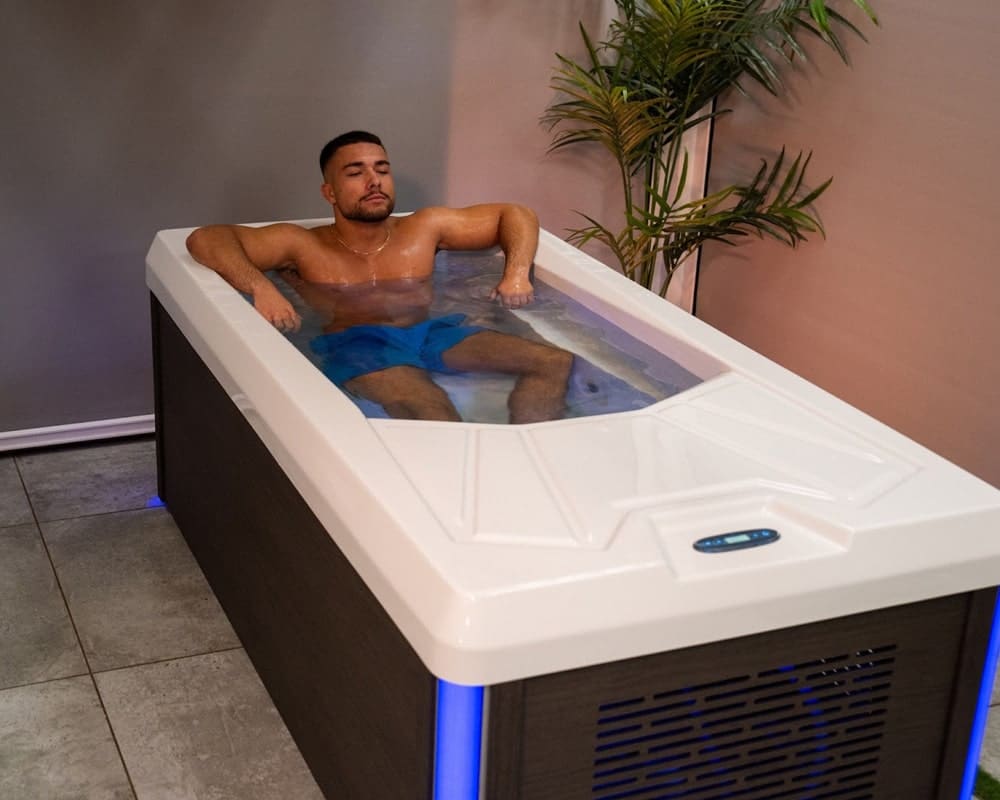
405	393
542	371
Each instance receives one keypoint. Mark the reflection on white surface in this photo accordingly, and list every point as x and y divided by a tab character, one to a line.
573	483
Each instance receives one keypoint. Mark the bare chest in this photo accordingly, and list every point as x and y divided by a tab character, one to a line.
330	261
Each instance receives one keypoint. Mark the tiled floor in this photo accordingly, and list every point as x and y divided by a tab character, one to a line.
120	677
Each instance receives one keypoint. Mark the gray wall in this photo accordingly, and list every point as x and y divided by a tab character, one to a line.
898	310
142	116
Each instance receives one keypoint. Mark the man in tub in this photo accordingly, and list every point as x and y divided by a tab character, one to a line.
369	274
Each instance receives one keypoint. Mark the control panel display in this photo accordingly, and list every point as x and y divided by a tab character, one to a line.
737	540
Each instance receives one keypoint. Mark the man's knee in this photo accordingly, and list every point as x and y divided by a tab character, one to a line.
431	402
406	393
425	409
555	361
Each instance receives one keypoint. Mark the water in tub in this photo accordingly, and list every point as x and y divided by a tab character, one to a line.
612	370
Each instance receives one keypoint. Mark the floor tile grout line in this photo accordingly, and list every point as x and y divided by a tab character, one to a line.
86	659
52	565
76	633
31	684
128	510
168	660
62	593
109	670
27	497
114	736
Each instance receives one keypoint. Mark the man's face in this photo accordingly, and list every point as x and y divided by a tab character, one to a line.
359	183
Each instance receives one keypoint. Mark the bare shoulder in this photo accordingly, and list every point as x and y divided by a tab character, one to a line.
445	215
267	246
279	244
425	225
469	228
280	231
429	217
276	231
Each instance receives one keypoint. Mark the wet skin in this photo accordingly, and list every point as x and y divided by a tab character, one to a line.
400	302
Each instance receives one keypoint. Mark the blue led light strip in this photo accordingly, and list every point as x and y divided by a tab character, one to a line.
982	706
458	741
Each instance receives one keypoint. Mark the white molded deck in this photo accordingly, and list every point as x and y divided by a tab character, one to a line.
574	483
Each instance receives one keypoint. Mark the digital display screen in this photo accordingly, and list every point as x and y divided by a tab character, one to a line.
737	540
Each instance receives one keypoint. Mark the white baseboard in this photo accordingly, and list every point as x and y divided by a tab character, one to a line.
76	432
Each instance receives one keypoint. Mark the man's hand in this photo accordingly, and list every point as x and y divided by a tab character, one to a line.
273	307
513	292
241	254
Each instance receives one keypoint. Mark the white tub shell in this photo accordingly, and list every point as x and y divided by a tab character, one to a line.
505	552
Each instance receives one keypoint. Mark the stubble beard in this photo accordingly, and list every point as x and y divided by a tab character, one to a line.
359	214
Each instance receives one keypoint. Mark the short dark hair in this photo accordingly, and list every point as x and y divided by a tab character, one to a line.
351	137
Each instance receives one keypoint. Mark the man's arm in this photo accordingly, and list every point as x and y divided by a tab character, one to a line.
513	227
241	254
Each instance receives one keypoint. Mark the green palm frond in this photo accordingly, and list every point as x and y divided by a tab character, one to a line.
601	113
658	74
629	246
776	203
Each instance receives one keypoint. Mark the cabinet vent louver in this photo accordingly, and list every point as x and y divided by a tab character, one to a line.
807	731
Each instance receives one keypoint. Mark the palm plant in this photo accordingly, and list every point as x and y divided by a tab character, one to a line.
659	73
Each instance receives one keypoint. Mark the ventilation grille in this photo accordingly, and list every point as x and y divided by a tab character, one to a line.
809	731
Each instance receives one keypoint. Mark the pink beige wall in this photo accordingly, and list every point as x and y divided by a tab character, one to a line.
502	64
898	310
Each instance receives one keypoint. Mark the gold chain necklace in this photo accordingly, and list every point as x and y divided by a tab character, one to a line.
378	249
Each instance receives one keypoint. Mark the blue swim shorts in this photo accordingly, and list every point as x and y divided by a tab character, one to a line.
369	348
